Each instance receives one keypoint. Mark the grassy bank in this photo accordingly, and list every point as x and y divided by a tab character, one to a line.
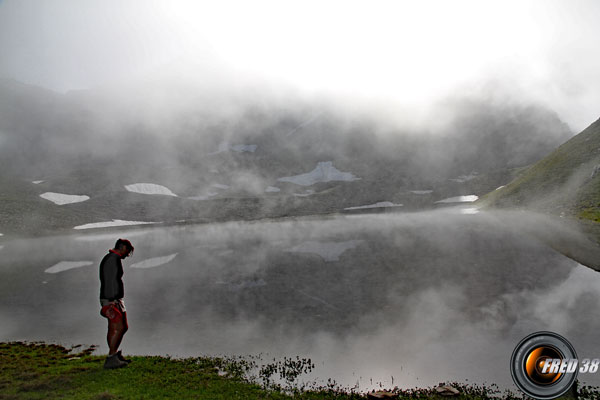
41	371
566	182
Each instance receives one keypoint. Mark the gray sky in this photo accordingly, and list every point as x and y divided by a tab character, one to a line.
409	52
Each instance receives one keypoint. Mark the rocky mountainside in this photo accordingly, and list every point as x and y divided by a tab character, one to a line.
199	154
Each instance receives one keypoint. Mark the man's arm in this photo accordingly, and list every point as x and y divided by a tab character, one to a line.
111	284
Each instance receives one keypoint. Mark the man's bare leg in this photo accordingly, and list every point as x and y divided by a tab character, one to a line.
124	327
116	330
114	336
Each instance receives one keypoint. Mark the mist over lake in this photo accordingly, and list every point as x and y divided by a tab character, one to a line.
400	191
421	297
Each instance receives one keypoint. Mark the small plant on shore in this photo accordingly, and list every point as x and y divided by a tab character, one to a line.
289	370
588	392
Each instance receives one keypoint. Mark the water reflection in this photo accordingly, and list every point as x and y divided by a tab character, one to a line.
67	265
154	261
328	251
422	297
459	199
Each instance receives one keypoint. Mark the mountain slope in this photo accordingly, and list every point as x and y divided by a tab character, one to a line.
228	154
566	182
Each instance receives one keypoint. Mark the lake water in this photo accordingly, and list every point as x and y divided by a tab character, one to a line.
420	297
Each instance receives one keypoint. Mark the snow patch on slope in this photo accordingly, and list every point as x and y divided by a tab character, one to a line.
323	172
61	199
114	222
149	188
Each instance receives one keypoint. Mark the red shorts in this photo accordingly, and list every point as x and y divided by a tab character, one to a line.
113	312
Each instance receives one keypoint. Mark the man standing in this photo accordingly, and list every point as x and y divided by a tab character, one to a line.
111	300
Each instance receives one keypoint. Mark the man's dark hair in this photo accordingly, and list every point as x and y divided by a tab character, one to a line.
124	242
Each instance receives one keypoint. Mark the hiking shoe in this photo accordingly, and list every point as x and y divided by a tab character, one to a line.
114	362
120	356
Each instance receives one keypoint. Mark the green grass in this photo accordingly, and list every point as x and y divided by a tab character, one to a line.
41	371
592	214
38	371
562	183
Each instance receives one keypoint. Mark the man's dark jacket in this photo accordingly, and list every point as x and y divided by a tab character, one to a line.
111	274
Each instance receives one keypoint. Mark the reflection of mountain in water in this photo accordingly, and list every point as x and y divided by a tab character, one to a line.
411	282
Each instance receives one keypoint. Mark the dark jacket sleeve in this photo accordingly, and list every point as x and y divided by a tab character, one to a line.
111	280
